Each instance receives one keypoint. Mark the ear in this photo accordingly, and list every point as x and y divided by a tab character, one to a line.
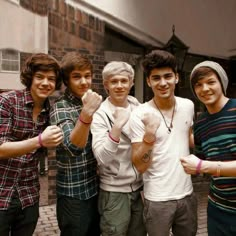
177	78
106	87
148	82
131	84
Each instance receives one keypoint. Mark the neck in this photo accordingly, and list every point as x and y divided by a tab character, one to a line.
119	103
164	104
216	107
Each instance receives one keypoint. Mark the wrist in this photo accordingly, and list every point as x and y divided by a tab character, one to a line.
116	140
198	168
149	139
40	141
84	122
218	169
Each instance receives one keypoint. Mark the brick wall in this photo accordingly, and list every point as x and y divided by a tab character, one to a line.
35	6
71	29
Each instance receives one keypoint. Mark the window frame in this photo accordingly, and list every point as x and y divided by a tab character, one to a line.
9	60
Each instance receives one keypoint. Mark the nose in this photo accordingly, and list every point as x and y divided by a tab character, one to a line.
162	82
83	80
205	87
45	81
119	84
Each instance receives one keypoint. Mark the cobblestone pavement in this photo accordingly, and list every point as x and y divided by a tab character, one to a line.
47	223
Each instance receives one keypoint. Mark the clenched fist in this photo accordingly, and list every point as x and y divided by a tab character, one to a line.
151	122
121	116
52	136
91	102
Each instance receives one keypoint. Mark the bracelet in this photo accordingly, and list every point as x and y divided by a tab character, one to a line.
149	143
218	169
199	165
40	140
83	122
114	140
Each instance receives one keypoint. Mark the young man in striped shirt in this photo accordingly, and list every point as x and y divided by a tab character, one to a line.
215	146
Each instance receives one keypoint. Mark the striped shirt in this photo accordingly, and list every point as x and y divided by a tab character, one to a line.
215	140
19	176
77	167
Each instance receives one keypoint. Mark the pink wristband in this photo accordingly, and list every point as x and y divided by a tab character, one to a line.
40	140
199	165
114	140
83	122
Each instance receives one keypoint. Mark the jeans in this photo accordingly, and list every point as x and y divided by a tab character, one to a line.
220	222
17	221
77	217
180	216
121	214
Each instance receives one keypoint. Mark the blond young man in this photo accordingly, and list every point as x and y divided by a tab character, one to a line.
120	202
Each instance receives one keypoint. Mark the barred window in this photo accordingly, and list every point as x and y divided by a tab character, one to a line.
9	60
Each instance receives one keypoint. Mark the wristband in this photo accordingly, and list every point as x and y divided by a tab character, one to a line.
40	140
218	169
199	165
83	122
114	140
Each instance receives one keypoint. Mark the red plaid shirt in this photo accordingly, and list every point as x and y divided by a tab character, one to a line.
19	176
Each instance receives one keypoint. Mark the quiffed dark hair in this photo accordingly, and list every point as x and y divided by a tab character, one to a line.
159	59
72	61
39	62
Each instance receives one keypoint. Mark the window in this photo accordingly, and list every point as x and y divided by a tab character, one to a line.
9	60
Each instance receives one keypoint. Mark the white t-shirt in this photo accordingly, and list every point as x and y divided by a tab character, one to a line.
165	179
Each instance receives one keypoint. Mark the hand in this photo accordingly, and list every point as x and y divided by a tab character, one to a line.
190	163
91	102
151	122
121	116
52	136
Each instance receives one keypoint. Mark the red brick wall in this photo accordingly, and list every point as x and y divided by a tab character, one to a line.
35	6
71	29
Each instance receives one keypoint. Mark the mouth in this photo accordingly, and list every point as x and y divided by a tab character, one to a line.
206	96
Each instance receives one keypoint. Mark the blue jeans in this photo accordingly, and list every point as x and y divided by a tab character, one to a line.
121	214
180	216
18	221
219	222
78	217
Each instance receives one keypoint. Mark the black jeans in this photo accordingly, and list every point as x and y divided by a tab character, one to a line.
78	217
17	221
219	222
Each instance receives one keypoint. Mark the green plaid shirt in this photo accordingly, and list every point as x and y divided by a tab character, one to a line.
76	174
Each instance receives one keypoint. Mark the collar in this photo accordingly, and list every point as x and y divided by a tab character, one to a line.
30	102
72	97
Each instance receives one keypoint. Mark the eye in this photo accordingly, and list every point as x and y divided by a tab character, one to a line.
87	76
53	79
197	85
38	76
155	78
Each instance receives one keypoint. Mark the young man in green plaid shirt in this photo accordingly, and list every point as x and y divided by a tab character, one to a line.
77	180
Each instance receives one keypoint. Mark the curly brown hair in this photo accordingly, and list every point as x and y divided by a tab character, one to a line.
40	62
